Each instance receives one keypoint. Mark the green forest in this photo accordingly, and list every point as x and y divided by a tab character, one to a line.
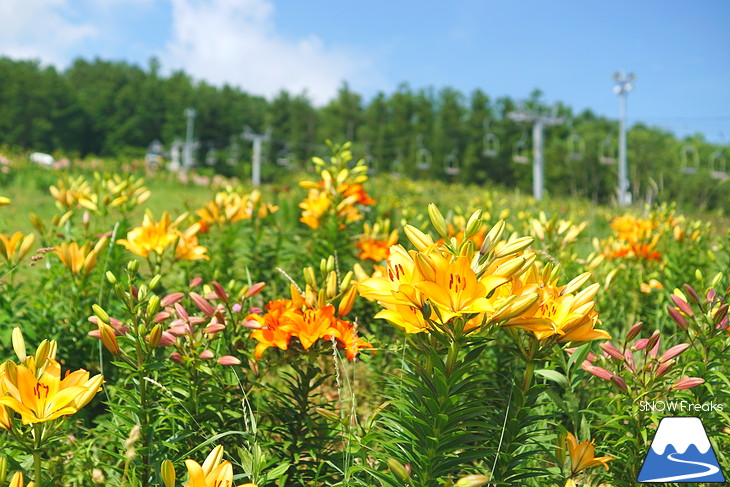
115	109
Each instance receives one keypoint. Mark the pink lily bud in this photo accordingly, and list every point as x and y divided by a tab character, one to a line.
167	339
682	305
176	357
171	299
711	293
196	282
677	317
664	368
229	360
206	354
723	324
687	383
640	344
673	352
634	331
202	304
612	351
253	324
181	312
162	316
255	310
180	329
620	383
211	295
220	292
721	313
599	372
255	289
589	358
214	328
95	334
135	291
629	361
692	293
654	349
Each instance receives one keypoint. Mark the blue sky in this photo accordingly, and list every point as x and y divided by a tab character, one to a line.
679	50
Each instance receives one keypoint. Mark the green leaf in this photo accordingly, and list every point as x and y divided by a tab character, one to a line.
554	376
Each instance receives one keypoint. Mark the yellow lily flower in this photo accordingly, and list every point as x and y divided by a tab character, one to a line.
582	456
14	247
152	236
38	400
4	201
455	288
215	472
187	245
80	260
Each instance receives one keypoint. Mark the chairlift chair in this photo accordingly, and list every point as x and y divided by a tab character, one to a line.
451	163
576	147
490	143
285	158
519	151
690	159
607	151
423	155
718	165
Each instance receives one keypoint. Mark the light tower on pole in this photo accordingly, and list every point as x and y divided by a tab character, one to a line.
623	87
257	140
539	122
188	147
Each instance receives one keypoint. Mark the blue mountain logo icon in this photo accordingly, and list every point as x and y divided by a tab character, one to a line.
680	452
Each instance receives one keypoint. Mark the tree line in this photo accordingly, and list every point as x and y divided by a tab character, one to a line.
109	108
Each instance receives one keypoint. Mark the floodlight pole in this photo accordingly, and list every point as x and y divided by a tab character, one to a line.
257	140
188	149
623	87
538	166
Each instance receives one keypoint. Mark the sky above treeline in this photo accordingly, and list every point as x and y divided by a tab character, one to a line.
678	50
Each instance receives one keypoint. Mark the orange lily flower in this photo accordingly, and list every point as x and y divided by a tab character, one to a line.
582	455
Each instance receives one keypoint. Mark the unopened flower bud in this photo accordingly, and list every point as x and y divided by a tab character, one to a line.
673	352
721	313
19	344
620	383
111	277
229	360
476	480
206	354
219	291
419	239
196	282
176	357
109	338
634	331
167	472
687	383
690	290
153	306
682	305
255	289
437	220
663	368
155	336
133	266
155	281
347	300
612	351
677	317
398	469
100	313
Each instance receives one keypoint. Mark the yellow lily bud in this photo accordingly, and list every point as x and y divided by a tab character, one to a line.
155	335
515	246
474	224
472	481
331	287
398	469
167	472
419	239
212	460
108	338
3	470
346	281
437	220
100	313
19	344
576	283
17	480
25	246
347	301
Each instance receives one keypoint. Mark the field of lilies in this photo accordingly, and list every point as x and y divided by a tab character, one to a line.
337	329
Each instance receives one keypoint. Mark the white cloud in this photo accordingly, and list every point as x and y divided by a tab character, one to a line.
236	42
38	29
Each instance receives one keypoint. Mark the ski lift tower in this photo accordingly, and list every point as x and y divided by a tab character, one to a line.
189	143
539	122
623	87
